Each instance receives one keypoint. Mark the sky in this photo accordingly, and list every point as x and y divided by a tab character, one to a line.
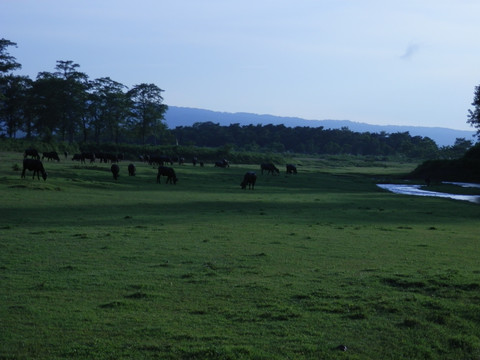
382	62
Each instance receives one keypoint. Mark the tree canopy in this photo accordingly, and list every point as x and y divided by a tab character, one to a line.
66	104
474	115
7	62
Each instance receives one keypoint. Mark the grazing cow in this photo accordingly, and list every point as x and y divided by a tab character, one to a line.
99	156
131	170
104	157
224	163
115	171
249	179
36	166
89	155
78	157
269	168
160	160
113	158
51	155
169	173
291	169
31	152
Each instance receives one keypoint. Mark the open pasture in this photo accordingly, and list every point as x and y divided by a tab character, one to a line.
93	268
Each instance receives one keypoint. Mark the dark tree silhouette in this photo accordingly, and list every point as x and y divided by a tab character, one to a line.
474	115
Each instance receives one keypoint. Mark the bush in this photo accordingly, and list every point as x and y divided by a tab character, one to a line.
464	169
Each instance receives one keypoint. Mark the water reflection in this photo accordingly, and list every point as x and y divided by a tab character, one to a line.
462	184
416	190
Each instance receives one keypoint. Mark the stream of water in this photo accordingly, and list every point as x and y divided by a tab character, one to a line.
416	190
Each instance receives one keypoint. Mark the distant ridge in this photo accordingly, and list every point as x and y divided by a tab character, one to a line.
184	116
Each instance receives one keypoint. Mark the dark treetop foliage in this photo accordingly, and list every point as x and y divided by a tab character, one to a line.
474	115
66	105
279	138
7	62
147	110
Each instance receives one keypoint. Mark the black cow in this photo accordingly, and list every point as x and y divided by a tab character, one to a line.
131	170
31	152
78	157
99	156
160	160
113	158
249	179
169	173
89	155
36	166
115	171
224	163
291	169
269	168
51	155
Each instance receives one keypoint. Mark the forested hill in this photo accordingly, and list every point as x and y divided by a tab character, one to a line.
183	116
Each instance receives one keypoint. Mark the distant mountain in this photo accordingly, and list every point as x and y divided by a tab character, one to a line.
183	116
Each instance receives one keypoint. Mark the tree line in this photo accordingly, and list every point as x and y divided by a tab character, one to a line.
279	138
67	106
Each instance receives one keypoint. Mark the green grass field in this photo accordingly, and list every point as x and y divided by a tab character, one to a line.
92	268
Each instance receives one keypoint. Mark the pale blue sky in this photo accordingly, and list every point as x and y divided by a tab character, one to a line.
401	62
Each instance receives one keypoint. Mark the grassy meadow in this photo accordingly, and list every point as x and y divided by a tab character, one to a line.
92	268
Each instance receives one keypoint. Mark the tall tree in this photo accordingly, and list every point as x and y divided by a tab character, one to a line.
13	109
47	104
61	99
7	62
474	116
147	111
73	95
108	108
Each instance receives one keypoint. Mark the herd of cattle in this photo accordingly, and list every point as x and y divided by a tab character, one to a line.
33	162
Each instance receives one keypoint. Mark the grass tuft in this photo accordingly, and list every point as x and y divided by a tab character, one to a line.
137	295
112	305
